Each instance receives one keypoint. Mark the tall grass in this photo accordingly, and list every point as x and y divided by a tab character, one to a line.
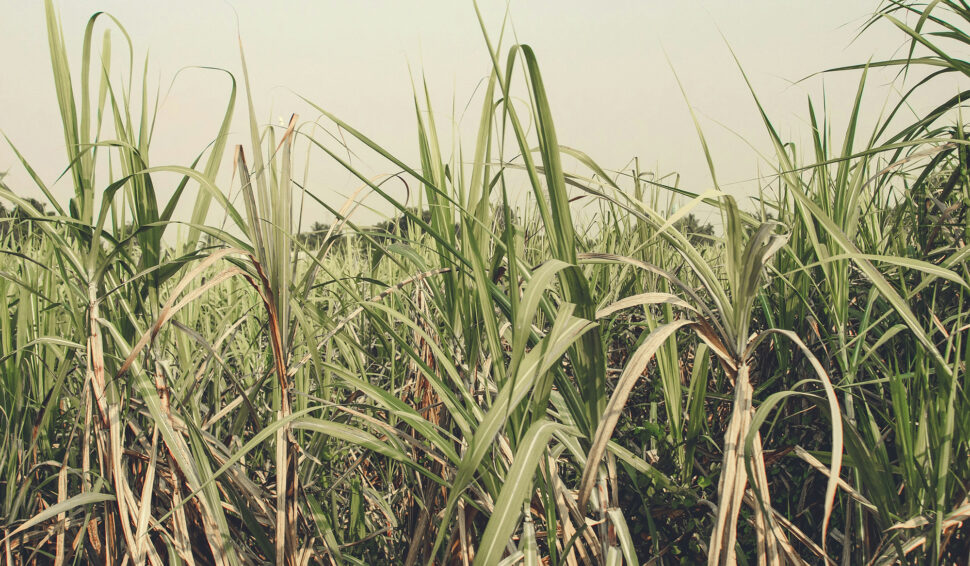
475	384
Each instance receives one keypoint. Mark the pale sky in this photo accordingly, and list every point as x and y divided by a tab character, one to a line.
612	89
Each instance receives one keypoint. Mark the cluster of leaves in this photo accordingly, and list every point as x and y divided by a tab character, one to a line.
464	383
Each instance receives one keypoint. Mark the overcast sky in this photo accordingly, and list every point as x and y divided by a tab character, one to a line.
605	65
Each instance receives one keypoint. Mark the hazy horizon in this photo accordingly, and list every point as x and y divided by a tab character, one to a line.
606	69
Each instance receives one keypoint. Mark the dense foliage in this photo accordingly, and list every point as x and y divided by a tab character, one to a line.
474	383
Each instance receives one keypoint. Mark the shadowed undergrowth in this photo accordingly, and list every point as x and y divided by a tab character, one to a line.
473	383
